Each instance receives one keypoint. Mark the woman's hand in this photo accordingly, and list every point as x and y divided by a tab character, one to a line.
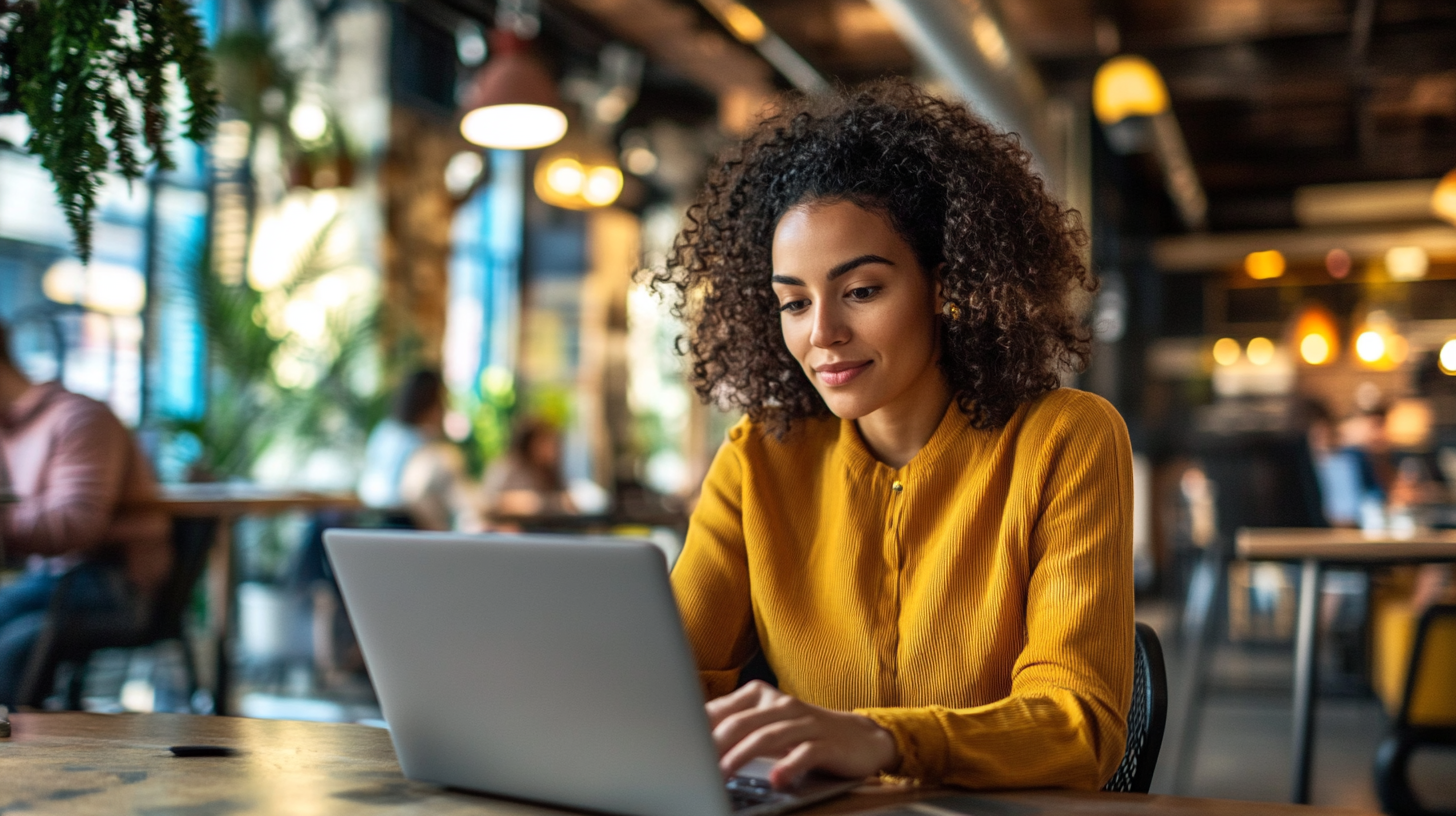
758	720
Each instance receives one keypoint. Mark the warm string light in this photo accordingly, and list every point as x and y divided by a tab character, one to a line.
1260	351
1265	265
1317	335
1226	351
1447	357
1377	343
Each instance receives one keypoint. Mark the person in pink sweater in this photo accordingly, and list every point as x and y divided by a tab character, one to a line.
73	470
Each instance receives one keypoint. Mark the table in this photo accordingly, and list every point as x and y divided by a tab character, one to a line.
226	502
83	764
1316	549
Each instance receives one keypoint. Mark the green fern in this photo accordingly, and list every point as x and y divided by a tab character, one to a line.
92	78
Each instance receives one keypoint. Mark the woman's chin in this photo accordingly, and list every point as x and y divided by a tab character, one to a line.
847	406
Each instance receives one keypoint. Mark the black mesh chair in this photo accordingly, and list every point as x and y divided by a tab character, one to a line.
1146	716
1417	725
70	636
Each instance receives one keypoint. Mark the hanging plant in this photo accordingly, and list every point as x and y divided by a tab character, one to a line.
92	76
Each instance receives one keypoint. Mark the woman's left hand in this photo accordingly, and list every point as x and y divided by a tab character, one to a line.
758	720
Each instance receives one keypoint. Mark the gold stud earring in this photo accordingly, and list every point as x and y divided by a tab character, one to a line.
951	310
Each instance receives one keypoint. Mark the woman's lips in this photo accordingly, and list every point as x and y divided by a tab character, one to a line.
839	374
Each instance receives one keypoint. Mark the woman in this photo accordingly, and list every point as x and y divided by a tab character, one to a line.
927	538
527	481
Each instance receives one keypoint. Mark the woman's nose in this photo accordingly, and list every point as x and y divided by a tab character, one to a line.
829	328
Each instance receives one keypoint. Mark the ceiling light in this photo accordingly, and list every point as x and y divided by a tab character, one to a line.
1314	349
1443	200
578	177
1370	346
1447	357
1406	263
512	102
1265	265
1318	335
1226	351
1128	85
603	185
1260	351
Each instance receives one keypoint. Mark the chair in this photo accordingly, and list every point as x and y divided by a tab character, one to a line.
1146	716
1427	715
71	636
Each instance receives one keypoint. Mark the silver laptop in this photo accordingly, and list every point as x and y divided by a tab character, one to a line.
548	668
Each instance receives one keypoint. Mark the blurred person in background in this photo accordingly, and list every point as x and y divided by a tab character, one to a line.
411	471
925	536
527	480
74	469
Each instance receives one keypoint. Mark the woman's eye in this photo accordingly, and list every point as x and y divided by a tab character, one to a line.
863	292
793	306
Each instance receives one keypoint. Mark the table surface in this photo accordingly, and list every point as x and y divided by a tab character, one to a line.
1345	545
225	499
83	764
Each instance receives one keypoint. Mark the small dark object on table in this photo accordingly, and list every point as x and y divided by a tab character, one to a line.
203	751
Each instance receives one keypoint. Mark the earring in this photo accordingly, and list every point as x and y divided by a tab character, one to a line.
951	310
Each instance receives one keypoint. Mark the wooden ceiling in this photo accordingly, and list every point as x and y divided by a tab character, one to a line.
1271	94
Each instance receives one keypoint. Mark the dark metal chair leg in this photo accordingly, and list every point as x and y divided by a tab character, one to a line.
189	665
76	684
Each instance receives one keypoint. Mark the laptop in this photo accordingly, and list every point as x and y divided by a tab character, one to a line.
546	668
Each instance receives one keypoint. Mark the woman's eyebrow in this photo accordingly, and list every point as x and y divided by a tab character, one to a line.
858	262
838	270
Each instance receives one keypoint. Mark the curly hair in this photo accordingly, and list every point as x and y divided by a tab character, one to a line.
960	193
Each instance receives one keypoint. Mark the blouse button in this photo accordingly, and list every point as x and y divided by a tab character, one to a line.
897	487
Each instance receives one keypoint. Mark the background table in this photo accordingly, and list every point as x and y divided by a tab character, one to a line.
1316	549
85	764
227	503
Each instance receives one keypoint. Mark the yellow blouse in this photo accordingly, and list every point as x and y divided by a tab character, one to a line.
977	603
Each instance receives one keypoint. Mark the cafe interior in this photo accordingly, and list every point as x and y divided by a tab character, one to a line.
429	219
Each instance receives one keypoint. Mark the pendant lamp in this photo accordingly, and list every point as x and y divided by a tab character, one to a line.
512	103
1443	200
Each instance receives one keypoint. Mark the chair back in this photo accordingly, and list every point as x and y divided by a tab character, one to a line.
1146	716
1428	700
192	540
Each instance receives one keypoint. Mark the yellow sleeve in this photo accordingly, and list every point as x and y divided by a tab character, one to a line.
710	578
1064	722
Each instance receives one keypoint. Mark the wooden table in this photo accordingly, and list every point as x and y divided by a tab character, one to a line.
84	764
1315	549
226	503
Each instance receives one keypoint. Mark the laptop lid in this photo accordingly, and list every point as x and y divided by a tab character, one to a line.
548	668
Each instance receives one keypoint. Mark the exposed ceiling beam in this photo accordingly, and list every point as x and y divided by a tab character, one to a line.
965	43
672	33
1202	252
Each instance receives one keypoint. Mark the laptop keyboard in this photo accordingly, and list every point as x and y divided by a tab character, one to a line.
747	791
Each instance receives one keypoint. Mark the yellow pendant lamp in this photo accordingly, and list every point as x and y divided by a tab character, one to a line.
578	175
